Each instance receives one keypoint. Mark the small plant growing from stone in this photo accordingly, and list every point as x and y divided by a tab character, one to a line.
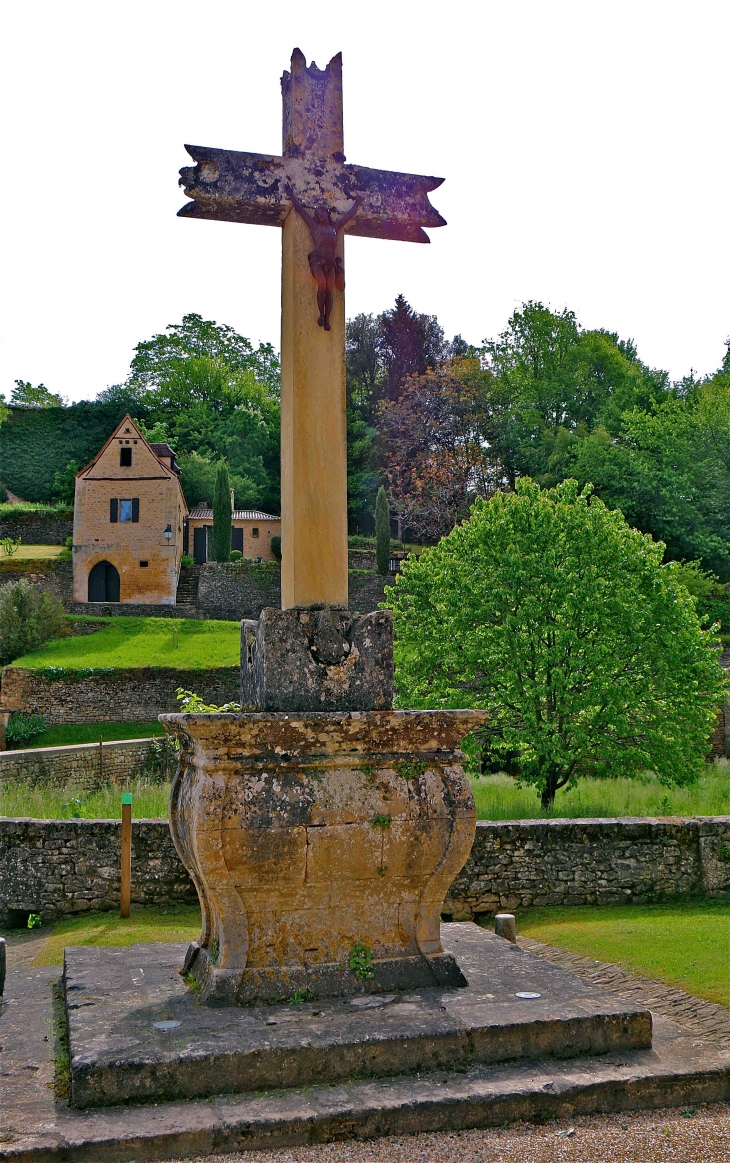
299	997
215	950
723	853
383	821
34	920
192	704
411	770
360	962
192	982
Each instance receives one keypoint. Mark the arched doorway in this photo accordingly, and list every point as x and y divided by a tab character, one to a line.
104	583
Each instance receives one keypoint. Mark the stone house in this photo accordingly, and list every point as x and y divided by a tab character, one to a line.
129	517
251	533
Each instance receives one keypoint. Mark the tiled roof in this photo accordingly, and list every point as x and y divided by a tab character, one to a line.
205	514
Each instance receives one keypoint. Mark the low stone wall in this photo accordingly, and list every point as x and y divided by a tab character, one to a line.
112	696
37	529
532	863
86	765
59	867
132	610
233	591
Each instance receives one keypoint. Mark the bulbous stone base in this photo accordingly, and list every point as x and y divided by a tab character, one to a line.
322	846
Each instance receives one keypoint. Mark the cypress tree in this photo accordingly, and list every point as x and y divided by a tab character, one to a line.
222	515
382	532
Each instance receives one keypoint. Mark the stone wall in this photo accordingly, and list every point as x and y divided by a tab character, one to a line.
56	576
37	528
112	696
533	863
233	591
59	867
132	610
80	764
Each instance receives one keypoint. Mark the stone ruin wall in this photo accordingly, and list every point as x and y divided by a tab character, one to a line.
80	765
38	528
60	867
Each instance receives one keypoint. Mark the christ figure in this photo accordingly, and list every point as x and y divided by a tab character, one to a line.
325	265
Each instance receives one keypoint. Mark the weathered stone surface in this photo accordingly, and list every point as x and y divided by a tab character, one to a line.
310	834
114	997
317	660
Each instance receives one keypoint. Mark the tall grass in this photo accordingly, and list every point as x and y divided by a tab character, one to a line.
498	797
149	801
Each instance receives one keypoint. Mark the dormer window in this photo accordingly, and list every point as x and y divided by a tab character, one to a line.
125	457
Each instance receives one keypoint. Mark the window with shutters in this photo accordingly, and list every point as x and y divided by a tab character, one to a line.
125	510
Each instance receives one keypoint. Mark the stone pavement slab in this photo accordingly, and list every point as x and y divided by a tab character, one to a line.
137	1032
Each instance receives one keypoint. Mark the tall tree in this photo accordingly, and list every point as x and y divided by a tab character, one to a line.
222	515
26	395
382	532
549	611
409	344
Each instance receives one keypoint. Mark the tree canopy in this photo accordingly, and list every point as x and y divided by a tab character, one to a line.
548	610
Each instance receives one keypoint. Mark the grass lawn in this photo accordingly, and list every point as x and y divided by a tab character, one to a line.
498	797
152	924
48	802
69	733
32	552
685	944
132	642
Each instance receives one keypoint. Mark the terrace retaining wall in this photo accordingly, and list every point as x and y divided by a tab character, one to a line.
236	590
107	695
59	867
38	528
85	765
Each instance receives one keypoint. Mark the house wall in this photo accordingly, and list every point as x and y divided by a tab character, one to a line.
252	546
126	543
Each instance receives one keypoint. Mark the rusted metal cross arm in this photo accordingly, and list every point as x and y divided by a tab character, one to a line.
229	186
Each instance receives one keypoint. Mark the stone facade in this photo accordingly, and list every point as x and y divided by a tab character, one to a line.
38	528
112	696
127	499
252	532
533	863
81	765
60	867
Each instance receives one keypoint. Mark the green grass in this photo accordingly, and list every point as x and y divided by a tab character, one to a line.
685	944
151	924
34	552
69	733
132	642
499	798
149	801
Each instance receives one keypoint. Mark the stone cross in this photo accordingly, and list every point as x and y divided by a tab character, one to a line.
316	197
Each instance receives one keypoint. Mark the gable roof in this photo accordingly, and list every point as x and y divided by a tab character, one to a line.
127	426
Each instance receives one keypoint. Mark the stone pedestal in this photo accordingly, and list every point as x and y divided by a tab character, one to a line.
322	846
317	659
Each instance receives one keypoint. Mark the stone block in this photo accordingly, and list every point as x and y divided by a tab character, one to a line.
317	660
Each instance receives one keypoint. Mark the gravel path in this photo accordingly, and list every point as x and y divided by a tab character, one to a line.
667	1136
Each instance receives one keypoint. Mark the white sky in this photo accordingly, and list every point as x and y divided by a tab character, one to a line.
584	146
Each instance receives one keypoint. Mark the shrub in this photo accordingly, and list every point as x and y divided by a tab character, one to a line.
235	555
276	547
3	493
546	609
29	618
69	543
186	560
22	727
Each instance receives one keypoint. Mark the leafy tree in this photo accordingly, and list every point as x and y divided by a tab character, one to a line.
198	476
159	358
222	515
29	618
548	610
382	532
64	482
409	344
25	395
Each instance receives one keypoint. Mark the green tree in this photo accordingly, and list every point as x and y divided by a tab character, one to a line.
29	618
64	482
198	476
548	610
382	532
26	395
222	515
157	358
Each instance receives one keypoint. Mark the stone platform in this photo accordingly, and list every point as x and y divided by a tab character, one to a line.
136	1032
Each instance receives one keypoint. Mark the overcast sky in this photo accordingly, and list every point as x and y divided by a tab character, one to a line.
584	146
